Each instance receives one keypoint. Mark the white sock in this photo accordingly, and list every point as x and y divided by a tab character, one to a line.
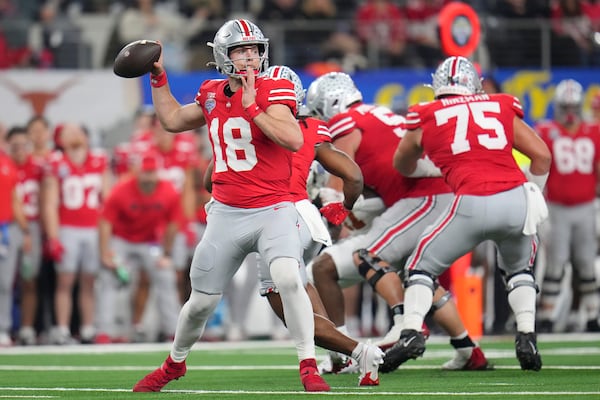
356	353
191	322
522	302
296	305
417	302
398	319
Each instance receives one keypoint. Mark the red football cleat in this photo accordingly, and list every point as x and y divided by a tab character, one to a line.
157	379
312	381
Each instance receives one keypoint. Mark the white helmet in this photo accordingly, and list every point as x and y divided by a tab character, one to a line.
456	76
281	71
331	94
568	101
234	33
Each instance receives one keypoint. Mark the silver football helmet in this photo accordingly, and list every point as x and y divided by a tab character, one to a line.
456	76
282	71
234	33
331	94
568	101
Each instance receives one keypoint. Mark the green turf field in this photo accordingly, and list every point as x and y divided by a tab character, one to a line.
269	370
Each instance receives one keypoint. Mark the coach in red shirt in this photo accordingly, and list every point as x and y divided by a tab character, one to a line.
134	209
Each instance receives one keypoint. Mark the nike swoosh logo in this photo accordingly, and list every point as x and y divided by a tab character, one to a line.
409	341
278	208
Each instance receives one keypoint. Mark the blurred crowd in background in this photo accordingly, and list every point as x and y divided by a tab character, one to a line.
356	34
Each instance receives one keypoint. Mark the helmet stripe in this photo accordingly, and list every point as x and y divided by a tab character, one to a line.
453	69
244	27
277	72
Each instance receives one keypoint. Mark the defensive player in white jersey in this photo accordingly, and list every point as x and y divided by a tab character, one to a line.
253	132
470	136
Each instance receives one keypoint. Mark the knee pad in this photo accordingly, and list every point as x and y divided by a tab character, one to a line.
201	305
436	305
417	277
285	274
522	278
371	263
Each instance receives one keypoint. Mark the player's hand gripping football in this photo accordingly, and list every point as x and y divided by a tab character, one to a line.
158	68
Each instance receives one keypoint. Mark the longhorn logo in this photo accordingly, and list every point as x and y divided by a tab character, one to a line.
38	99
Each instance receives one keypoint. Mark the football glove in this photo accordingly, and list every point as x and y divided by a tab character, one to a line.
54	250
335	213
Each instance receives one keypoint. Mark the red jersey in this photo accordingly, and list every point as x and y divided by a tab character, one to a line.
8	183
381	131
135	215
250	170
573	174
315	131
173	163
121	161
29	176
80	187
470	139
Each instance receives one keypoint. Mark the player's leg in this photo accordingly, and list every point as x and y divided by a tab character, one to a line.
281	247
516	256
66	273
446	240
585	247
469	355
90	266
8	266
216	259
558	251
30	268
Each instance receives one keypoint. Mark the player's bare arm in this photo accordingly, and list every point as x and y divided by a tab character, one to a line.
409	151
277	122
104	235
527	141
348	144
50	206
173	116
341	165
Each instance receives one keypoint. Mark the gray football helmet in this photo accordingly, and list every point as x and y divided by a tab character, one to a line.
282	71
331	94
568	101
456	76
234	33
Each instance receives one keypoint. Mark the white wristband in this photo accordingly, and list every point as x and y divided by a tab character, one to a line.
425	169
539	180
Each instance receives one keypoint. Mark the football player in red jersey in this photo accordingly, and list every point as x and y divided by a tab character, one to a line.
29	172
74	185
253	133
314	233
14	234
470	136
370	135
571	192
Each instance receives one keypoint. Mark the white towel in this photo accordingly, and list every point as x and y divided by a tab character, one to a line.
311	215
537	210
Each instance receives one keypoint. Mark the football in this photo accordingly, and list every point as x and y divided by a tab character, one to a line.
136	58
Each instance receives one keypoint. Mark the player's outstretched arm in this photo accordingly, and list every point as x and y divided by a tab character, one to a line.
173	116
341	165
